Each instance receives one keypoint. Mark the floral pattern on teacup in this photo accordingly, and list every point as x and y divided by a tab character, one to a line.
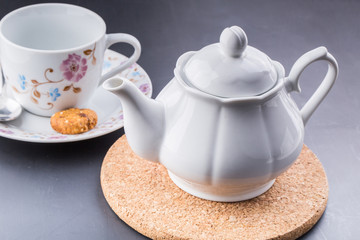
91	54
22	81
73	69
54	94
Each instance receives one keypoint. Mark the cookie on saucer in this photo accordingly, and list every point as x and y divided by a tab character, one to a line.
73	121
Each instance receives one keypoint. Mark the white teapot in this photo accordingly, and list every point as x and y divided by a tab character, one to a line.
225	126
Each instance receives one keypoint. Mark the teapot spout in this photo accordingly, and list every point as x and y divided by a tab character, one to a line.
143	118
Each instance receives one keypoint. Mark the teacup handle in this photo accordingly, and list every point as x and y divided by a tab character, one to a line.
292	81
117	38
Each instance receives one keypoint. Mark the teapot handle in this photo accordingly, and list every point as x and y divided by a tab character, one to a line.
292	81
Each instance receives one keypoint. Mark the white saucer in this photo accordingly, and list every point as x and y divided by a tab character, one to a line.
32	128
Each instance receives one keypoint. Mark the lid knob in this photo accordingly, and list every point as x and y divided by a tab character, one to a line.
233	41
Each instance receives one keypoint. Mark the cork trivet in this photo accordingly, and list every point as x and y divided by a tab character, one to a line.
142	195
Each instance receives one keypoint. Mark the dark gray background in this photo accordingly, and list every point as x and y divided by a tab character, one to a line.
52	191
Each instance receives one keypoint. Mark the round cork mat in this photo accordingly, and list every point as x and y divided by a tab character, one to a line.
142	195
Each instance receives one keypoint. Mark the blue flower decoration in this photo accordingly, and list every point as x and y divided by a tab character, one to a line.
22	81
54	94
136	73
106	64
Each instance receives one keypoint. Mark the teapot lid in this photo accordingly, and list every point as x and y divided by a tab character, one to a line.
231	68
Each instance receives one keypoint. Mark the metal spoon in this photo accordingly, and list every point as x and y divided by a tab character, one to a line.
9	108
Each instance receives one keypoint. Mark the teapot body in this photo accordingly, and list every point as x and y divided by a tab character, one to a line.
225	126
228	149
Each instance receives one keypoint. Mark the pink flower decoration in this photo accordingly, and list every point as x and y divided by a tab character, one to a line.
74	68
144	88
57	137
6	131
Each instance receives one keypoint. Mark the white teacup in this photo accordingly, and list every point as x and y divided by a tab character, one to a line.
52	55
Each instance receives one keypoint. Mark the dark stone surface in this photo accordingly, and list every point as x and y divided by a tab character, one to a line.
52	191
